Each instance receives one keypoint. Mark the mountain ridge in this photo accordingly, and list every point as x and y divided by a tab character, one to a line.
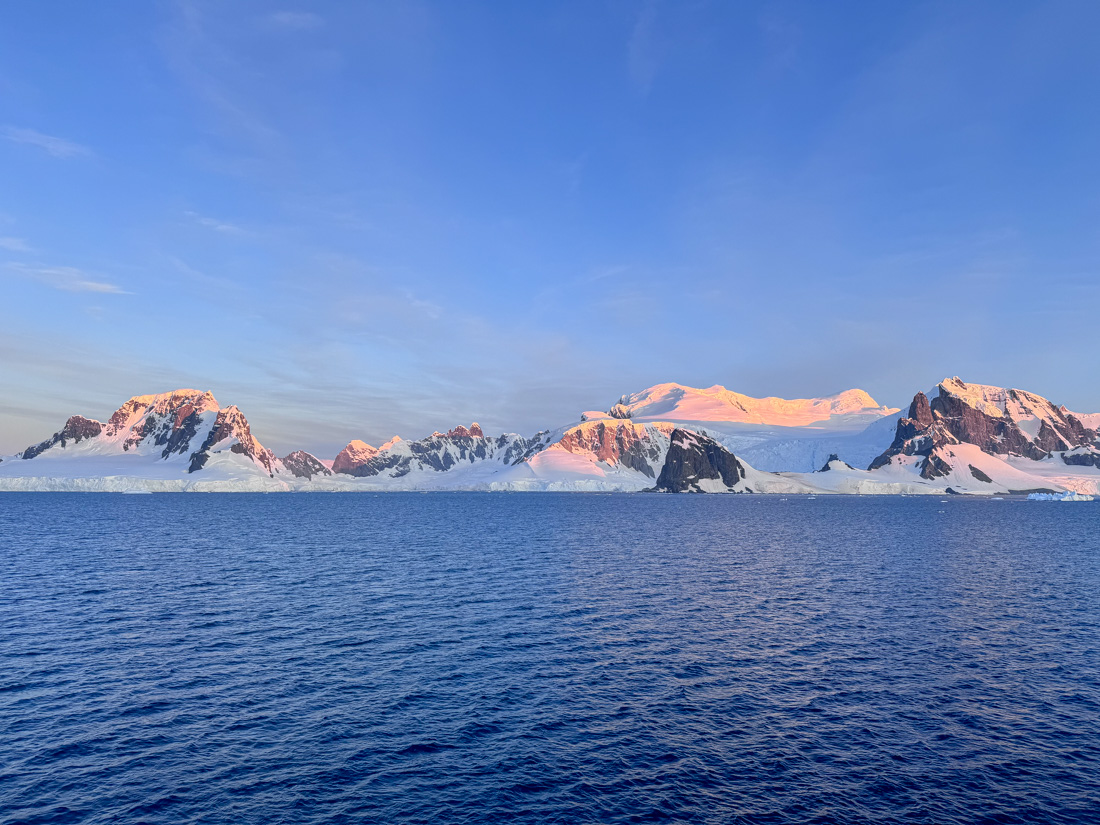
959	438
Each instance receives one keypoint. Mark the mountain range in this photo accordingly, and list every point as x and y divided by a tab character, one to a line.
955	438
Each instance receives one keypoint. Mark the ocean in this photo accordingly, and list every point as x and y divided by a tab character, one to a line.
547	658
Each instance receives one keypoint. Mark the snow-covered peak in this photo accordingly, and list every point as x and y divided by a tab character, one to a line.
995	420
1030	412
677	402
998	402
177	403
301	464
183	425
354	455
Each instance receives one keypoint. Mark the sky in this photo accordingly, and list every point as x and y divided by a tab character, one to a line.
356	219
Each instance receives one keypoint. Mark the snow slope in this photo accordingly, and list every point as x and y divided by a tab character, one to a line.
773	434
676	402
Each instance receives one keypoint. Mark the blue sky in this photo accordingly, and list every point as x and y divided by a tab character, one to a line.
357	219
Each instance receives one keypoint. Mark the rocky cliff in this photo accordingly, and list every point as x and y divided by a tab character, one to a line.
697	464
999	421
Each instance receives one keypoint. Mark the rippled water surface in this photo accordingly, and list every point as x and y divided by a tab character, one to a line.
540	658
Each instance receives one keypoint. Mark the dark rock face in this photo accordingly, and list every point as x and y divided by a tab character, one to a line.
920	411
619	411
304	465
833	457
76	429
934	467
951	419
520	449
231	423
1089	459
691	458
140	432
978	474
170	420
462	432
177	439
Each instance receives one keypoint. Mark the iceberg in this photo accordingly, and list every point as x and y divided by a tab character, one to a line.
1067	496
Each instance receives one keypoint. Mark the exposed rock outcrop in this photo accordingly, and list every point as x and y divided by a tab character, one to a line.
301	464
439	452
695	463
353	456
1082	458
461	432
834	463
1002	422
978	474
230	423
617	443
76	429
166	425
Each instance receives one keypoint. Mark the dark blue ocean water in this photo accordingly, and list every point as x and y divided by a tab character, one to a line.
540	658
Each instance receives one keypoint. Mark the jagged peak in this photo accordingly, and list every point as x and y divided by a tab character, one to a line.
299	454
173	398
474	431
997	420
177	402
305	465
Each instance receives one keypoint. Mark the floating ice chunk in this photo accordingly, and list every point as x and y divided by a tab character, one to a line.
1068	496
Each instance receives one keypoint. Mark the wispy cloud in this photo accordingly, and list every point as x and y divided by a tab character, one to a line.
213	223
296	20
14	245
65	278
58	147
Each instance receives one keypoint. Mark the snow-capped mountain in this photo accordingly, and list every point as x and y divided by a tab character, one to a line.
959	438
155	437
774	434
979	438
458	450
1000	421
301	464
183	423
594	455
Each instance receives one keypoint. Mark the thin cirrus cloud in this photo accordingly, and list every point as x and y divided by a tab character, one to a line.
58	147
213	223
14	245
66	278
